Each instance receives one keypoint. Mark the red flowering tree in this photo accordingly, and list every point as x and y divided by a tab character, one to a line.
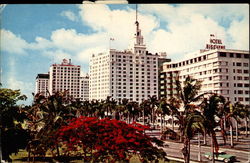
107	140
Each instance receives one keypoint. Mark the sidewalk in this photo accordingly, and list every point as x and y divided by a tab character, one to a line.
180	159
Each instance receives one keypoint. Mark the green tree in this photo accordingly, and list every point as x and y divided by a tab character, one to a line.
210	108
48	114
190	98
13	135
193	123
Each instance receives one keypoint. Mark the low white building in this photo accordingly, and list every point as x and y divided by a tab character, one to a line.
222	71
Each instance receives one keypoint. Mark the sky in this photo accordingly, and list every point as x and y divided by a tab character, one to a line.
34	36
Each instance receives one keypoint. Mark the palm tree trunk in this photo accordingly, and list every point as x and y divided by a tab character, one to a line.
185	151
212	149
236	127
246	127
57	151
231	136
199	147
205	138
189	150
172	122
161	124
143	116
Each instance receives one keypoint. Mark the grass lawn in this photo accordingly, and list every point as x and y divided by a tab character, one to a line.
22	156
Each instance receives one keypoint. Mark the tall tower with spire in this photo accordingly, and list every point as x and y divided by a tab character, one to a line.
131	74
138	47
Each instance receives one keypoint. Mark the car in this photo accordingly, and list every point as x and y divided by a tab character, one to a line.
220	156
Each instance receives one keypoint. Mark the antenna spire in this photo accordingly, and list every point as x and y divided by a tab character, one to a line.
136	12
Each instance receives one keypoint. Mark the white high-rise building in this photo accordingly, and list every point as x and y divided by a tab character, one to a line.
222	71
61	77
130	74
42	84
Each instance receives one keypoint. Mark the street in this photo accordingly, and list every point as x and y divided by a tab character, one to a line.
241	148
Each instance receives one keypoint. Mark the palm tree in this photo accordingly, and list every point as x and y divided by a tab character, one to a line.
153	105
194	122
173	104
145	109
163	110
50	113
210	108
244	113
188	95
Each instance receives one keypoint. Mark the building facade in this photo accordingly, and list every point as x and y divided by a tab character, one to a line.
42	84
222	71
84	88
61	77
131	74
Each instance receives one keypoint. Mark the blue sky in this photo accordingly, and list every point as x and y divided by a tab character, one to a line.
35	36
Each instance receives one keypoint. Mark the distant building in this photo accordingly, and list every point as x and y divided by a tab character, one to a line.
84	88
64	76
42	84
131	74
223	71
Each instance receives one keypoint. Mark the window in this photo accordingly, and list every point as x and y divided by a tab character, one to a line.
245	71
246	55
245	64
239	71
239	78
231	55
222	54
240	98
240	92
238	64
238	55
239	85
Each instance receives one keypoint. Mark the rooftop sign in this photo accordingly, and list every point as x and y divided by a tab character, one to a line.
215	43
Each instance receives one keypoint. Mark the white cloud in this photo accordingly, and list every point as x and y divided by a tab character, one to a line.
69	39
70	15
118	24
26	88
239	32
57	55
183	29
85	55
12	43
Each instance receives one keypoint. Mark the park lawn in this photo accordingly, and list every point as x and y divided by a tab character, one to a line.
22	156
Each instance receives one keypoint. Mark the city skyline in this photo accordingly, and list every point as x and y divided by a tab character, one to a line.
31	41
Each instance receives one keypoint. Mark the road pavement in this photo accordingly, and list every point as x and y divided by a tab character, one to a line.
241	148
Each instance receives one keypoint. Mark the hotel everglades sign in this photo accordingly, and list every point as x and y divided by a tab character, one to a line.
215	43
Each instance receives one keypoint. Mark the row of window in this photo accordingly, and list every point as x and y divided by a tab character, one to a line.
240	71
66	68
241	99
233	55
240	64
241	92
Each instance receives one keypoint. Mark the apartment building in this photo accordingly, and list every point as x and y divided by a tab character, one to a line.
130	74
42	84
222	71
61	77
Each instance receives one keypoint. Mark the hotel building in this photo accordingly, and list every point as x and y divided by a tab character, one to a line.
130	74
61	77
222	71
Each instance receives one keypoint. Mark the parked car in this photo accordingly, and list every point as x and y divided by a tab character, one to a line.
221	156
